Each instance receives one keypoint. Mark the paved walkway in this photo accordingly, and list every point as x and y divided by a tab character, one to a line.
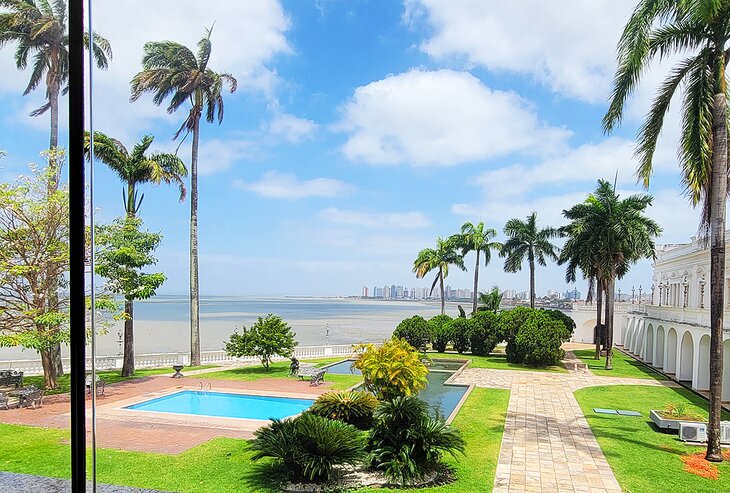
547	444
25	483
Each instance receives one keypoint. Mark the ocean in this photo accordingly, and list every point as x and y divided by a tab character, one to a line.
161	324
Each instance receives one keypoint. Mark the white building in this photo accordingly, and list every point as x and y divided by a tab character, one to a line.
672	332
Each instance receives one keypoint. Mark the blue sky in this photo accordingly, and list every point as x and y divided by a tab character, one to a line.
364	129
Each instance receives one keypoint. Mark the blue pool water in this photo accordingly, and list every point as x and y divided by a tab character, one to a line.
220	404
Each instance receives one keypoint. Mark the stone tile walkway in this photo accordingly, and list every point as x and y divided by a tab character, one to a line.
547	444
26	483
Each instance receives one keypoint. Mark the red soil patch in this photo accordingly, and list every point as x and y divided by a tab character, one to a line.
696	464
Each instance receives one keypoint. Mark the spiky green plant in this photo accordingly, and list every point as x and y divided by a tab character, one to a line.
350	406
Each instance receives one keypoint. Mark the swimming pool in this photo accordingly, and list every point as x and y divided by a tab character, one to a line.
224	405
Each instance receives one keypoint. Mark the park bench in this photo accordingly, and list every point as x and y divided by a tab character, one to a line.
315	375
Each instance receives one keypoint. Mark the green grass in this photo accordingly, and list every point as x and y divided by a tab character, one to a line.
643	459
280	369
495	361
623	366
224	464
108	377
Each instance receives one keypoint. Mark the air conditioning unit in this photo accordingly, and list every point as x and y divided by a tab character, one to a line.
725	432
693	432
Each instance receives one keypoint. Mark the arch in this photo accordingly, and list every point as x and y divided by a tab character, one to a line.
585	333
648	353
686	357
703	364
726	370
639	339
659	348
670	355
629	334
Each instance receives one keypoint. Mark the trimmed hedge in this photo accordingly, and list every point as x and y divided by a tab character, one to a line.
484	335
538	340
414	330
441	332
461	333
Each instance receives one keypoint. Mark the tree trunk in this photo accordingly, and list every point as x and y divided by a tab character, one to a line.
130	205
441	286
717	198
53	90
52	295
532	283
128	359
194	287
476	284
599	309
609	322
49	371
56	359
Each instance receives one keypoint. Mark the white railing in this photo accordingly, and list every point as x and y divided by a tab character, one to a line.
158	360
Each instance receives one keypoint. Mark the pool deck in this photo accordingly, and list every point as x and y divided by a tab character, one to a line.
164	433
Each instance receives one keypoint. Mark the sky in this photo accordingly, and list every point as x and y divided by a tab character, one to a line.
363	130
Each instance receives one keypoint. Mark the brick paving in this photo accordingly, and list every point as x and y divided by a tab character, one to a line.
26	483
547	444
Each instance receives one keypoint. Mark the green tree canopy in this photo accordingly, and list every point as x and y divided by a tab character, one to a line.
268	337
440	258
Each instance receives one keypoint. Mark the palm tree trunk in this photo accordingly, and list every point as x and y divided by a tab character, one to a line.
53	90
194	287
718	196
129	206
609	322
532	283
441	286
128	359
476	284
599	310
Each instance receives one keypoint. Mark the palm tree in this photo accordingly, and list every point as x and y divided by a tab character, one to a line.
525	240
477	239
701	31
39	28
491	300
172	70
137	167
607	235
440	259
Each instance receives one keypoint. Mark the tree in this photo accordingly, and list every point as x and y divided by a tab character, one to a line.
525	240
490	301
33	257
477	239
172	70
439	259
123	251
137	167
39	28
268	337
392	369
617	234
414	330
700	30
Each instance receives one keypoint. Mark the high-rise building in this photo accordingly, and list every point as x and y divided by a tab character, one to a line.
365	292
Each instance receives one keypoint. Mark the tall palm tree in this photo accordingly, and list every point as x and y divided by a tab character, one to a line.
524	240
137	167
39	28
172	70
477	239
491	300
700	31
439	259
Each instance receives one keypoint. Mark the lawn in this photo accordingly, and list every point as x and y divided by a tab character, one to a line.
623	366
495	361
643	459
280	369
224	464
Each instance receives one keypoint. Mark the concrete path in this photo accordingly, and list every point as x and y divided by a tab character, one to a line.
26	483
547	444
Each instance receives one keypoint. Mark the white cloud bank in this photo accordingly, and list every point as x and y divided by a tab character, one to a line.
291	128
406	220
277	185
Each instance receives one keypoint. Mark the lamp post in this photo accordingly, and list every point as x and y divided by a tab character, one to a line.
652	294
327	336
639	293
619	295
633	295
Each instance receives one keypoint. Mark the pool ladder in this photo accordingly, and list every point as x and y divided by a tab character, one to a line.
203	388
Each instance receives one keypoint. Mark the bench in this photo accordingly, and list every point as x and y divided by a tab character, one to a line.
9	378
315	375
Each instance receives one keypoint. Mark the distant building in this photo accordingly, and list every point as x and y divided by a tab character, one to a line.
365	292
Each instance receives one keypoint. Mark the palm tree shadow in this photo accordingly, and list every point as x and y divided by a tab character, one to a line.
264	477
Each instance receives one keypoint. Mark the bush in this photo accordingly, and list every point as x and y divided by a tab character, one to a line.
349	406
566	319
510	322
407	442
414	330
460	333
309	446
392	369
266	338
483	336
538	340
441	332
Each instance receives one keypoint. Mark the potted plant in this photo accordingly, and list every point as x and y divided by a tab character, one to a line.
673	414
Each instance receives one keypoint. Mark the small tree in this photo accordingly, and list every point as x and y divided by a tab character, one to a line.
123	251
460	333
441	333
510	322
539	339
562	317
268	337
414	330
391	370
483	336
490	300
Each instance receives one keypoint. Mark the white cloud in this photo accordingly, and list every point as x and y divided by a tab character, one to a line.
287	186
219	155
440	118
568	45
407	220
292	128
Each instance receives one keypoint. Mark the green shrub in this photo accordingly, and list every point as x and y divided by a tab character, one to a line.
309	446
566	319
510	322
407	442
484	333
414	330
460	333
350	406
266	338
392	369
538	340
441	332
